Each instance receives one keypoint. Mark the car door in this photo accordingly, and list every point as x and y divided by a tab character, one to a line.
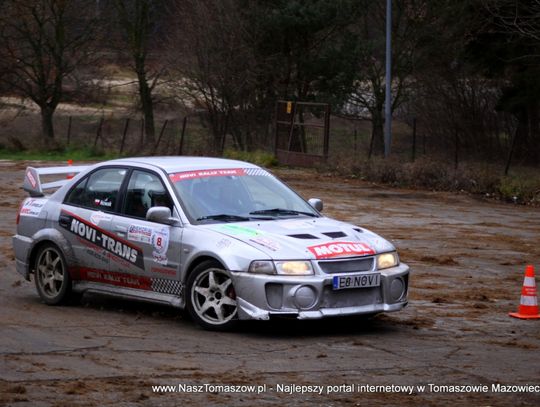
160	243
85	221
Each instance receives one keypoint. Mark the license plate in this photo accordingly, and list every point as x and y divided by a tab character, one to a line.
358	281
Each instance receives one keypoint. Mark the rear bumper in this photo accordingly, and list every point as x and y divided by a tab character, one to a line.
21	247
313	297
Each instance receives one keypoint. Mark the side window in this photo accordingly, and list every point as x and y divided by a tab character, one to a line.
99	190
144	191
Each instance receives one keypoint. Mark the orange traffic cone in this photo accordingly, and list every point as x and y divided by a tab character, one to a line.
528	306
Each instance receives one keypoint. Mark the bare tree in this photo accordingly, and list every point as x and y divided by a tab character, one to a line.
43	42
368	97
209	53
137	21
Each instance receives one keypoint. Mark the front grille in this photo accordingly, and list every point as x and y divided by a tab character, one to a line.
354	297
346	266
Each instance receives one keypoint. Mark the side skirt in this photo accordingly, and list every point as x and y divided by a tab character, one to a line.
129	293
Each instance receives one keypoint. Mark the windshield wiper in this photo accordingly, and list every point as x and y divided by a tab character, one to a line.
281	211
224	217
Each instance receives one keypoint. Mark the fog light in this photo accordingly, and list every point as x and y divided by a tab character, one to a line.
305	296
397	289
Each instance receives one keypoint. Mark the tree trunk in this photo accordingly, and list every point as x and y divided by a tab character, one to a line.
47	127
377	129
147	107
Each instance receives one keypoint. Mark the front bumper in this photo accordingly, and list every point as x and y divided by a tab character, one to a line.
312	297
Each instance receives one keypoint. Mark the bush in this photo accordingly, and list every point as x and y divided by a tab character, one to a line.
435	175
257	157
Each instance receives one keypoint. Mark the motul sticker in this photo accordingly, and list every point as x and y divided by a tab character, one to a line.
111	243
182	176
32	207
338	249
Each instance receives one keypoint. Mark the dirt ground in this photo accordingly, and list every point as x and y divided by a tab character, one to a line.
467	257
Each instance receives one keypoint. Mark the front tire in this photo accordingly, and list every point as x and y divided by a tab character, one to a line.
53	283
211	299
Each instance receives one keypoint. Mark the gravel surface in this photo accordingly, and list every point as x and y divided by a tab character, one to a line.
467	257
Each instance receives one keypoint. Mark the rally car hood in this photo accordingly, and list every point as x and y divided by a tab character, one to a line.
306	238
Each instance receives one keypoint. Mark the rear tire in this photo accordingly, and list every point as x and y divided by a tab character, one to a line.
210	297
51	276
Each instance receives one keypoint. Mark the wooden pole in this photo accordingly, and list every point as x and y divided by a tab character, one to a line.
69	131
122	143
456	156
414	139
160	136
98	132
510	153
141	142
181	146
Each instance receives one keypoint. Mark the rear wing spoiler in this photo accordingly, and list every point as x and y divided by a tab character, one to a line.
32	181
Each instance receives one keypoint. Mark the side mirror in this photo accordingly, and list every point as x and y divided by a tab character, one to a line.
316	203
160	214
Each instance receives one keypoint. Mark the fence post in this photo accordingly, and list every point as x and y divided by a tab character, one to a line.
181	146
456	157
69	131
414	139
124	136
326	132
160	136
98	132
511	153
141	142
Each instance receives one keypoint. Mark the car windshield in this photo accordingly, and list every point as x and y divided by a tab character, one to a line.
236	195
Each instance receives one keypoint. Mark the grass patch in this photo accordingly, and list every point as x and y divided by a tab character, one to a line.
70	153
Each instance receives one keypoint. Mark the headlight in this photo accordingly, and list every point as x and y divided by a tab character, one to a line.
294	268
387	260
262	267
288	268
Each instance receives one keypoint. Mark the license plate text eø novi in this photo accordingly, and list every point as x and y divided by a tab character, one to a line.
358	281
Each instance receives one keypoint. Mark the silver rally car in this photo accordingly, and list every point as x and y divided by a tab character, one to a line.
224	239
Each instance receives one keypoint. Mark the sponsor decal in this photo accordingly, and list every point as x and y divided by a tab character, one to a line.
163	270
102	202
32	207
223	243
268	243
105	240
115	278
186	175
100	255
337	249
99	216
31	178
160	244
239	230
139	233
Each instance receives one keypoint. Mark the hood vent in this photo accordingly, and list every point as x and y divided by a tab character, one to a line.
335	235
303	236
357	230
